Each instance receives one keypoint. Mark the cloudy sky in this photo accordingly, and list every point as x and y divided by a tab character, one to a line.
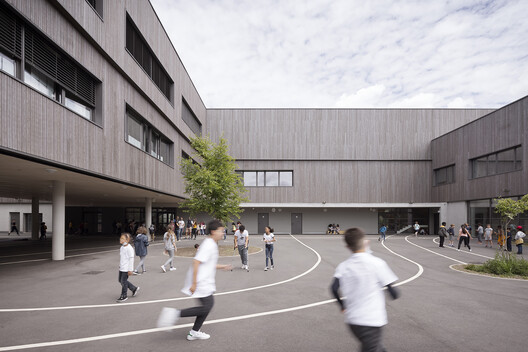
351	53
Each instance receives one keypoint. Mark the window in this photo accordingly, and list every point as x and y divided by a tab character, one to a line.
137	47
267	178
142	135
497	163
444	175
7	65
46	67
190	119
97	6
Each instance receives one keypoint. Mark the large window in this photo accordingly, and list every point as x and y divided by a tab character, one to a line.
497	163
45	67
267	178
190	119
444	175
142	135
139	49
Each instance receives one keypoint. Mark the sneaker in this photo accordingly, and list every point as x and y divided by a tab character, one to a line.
243	267
458	250
135	291
266	269
272	267
470	250
163	268
136	273
168	317
247	268
197	335
121	299
172	269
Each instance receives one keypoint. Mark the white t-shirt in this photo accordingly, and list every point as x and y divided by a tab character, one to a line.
241	237
181	224
207	255
416	227
361	279
268	238
488	231
126	258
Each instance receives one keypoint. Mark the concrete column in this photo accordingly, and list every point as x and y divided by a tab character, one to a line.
443	214
148	212
58	209
35	218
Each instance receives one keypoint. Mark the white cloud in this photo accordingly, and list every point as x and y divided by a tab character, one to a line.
299	53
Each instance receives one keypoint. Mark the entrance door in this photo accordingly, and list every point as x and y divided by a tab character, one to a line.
296	223
263	221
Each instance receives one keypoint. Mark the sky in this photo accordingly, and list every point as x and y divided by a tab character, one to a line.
351	53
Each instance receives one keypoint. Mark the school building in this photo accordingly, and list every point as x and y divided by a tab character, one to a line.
97	110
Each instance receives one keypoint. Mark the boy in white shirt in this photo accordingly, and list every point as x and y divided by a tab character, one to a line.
241	240
126	265
361	279
199	283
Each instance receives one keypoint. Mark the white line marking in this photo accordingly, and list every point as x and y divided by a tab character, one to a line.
216	321
472	253
173	299
441	255
420	268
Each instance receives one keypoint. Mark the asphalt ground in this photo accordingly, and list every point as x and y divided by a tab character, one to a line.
70	305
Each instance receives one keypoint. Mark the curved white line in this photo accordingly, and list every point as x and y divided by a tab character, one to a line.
216	321
172	299
472	253
441	255
420	268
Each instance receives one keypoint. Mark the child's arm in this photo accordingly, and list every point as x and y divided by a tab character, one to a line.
393	292
335	291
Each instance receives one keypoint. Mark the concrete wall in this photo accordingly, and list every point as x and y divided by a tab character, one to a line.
457	214
24	208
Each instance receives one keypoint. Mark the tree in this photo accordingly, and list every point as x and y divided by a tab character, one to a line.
509	209
212	185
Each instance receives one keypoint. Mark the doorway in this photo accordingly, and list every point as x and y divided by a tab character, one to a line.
296	223
263	221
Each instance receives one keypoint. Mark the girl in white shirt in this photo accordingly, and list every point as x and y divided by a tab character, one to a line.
126	265
170	246
269	238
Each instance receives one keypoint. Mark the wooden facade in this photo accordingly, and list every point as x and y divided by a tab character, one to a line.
497	131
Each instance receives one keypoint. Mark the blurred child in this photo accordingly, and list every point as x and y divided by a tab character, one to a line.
361	279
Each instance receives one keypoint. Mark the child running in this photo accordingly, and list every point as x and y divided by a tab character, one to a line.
361	279
464	236
199	283
269	238
126	265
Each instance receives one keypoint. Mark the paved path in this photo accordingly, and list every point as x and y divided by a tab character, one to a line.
70	305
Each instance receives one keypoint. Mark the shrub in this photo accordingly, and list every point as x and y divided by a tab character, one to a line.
504	264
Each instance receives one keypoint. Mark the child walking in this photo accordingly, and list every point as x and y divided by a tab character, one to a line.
519	239
269	238
141	243
464	236
170	246
361	279
199	283
126	265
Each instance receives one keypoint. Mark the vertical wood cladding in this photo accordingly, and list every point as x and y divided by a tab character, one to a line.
38	126
502	129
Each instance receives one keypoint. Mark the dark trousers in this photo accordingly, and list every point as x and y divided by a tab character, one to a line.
200	312
125	284
14	229
442	238
509	244
369	336
519	248
464	239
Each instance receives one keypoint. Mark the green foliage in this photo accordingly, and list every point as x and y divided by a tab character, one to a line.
211	183
504	264
509	208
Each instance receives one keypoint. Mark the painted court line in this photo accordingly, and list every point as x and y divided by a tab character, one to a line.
472	253
216	321
452	267
173	299
441	255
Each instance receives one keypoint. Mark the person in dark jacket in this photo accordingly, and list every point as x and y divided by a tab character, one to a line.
442	233
141	243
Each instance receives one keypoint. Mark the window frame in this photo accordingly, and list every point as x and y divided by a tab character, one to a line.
516	160
261	182
450	172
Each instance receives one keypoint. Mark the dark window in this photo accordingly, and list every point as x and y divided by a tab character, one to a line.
97	5
267	178
137	46
444	175
497	163
190	119
142	135
10	32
